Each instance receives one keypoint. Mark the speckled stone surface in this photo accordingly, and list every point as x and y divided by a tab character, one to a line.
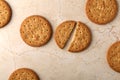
49	61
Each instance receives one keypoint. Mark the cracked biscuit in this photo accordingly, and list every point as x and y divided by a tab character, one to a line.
80	39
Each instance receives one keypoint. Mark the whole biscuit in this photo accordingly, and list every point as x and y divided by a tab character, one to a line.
63	32
101	11
36	31
24	74
81	39
113	56
5	13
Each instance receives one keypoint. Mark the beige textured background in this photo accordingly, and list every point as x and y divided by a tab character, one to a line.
50	62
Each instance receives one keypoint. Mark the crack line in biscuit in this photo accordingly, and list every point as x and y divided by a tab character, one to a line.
71	36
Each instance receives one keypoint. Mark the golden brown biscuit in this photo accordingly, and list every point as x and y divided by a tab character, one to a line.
24	74
81	39
101	11
63	31
5	13
36	31
113	56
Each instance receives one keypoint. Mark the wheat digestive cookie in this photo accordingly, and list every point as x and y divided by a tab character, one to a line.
81	38
63	32
24	74
5	13
36	31
113	56
101	11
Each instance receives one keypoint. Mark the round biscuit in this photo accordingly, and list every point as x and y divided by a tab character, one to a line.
35	31
23	74
101	11
113	56
5	13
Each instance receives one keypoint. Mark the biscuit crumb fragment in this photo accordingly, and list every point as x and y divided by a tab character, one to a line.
81	39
